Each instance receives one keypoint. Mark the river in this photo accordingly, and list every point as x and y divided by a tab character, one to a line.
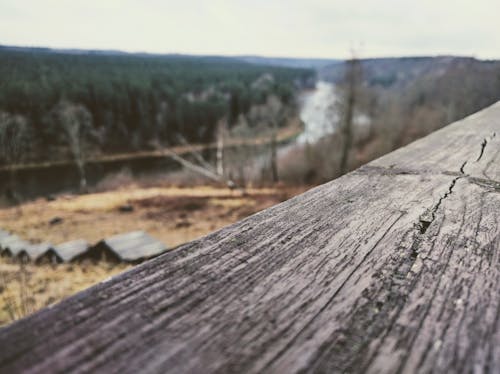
316	111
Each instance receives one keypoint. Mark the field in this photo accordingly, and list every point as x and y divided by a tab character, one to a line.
173	215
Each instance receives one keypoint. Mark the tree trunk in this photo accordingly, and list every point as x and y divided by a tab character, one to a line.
274	158
220	150
348	117
83	178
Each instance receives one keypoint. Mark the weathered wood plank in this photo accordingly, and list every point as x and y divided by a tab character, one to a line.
392	268
472	144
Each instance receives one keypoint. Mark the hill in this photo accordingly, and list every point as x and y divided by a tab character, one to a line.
131	101
305	63
401	71
403	99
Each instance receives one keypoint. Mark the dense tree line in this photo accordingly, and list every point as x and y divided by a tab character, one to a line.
134	101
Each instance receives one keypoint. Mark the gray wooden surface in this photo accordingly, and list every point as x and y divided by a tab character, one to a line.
392	268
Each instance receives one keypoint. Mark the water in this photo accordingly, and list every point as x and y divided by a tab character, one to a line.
318	112
43	181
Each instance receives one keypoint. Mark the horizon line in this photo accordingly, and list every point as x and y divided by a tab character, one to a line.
246	55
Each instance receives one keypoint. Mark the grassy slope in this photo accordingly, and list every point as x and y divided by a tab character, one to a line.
173	215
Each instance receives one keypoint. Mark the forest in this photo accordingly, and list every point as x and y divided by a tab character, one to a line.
128	102
69	104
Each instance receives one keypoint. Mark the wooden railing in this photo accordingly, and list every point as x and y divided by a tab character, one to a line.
394	267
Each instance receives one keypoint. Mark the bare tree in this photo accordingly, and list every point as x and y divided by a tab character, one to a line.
274	157
76	122
272	114
202	166
221	135
350	91
13	145
234	155
276	116
262	121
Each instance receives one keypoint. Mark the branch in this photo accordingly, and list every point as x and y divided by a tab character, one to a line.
203	171
196	154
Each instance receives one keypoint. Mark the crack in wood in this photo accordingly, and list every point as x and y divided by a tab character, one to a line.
483	146
484	143
427	218
462	168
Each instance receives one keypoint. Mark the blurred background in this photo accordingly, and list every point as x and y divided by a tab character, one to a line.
178	118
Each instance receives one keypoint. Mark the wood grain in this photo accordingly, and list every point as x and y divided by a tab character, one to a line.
392	268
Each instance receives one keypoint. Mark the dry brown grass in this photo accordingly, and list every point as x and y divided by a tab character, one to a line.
156	210
173	215
25	288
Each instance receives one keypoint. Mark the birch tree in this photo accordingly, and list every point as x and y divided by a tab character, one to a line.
13	146
76	123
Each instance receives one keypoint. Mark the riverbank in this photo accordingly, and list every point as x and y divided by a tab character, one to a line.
285	134
44	179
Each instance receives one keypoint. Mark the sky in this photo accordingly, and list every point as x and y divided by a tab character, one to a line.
286	28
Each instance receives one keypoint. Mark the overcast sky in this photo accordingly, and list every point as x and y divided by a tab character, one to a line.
295	28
